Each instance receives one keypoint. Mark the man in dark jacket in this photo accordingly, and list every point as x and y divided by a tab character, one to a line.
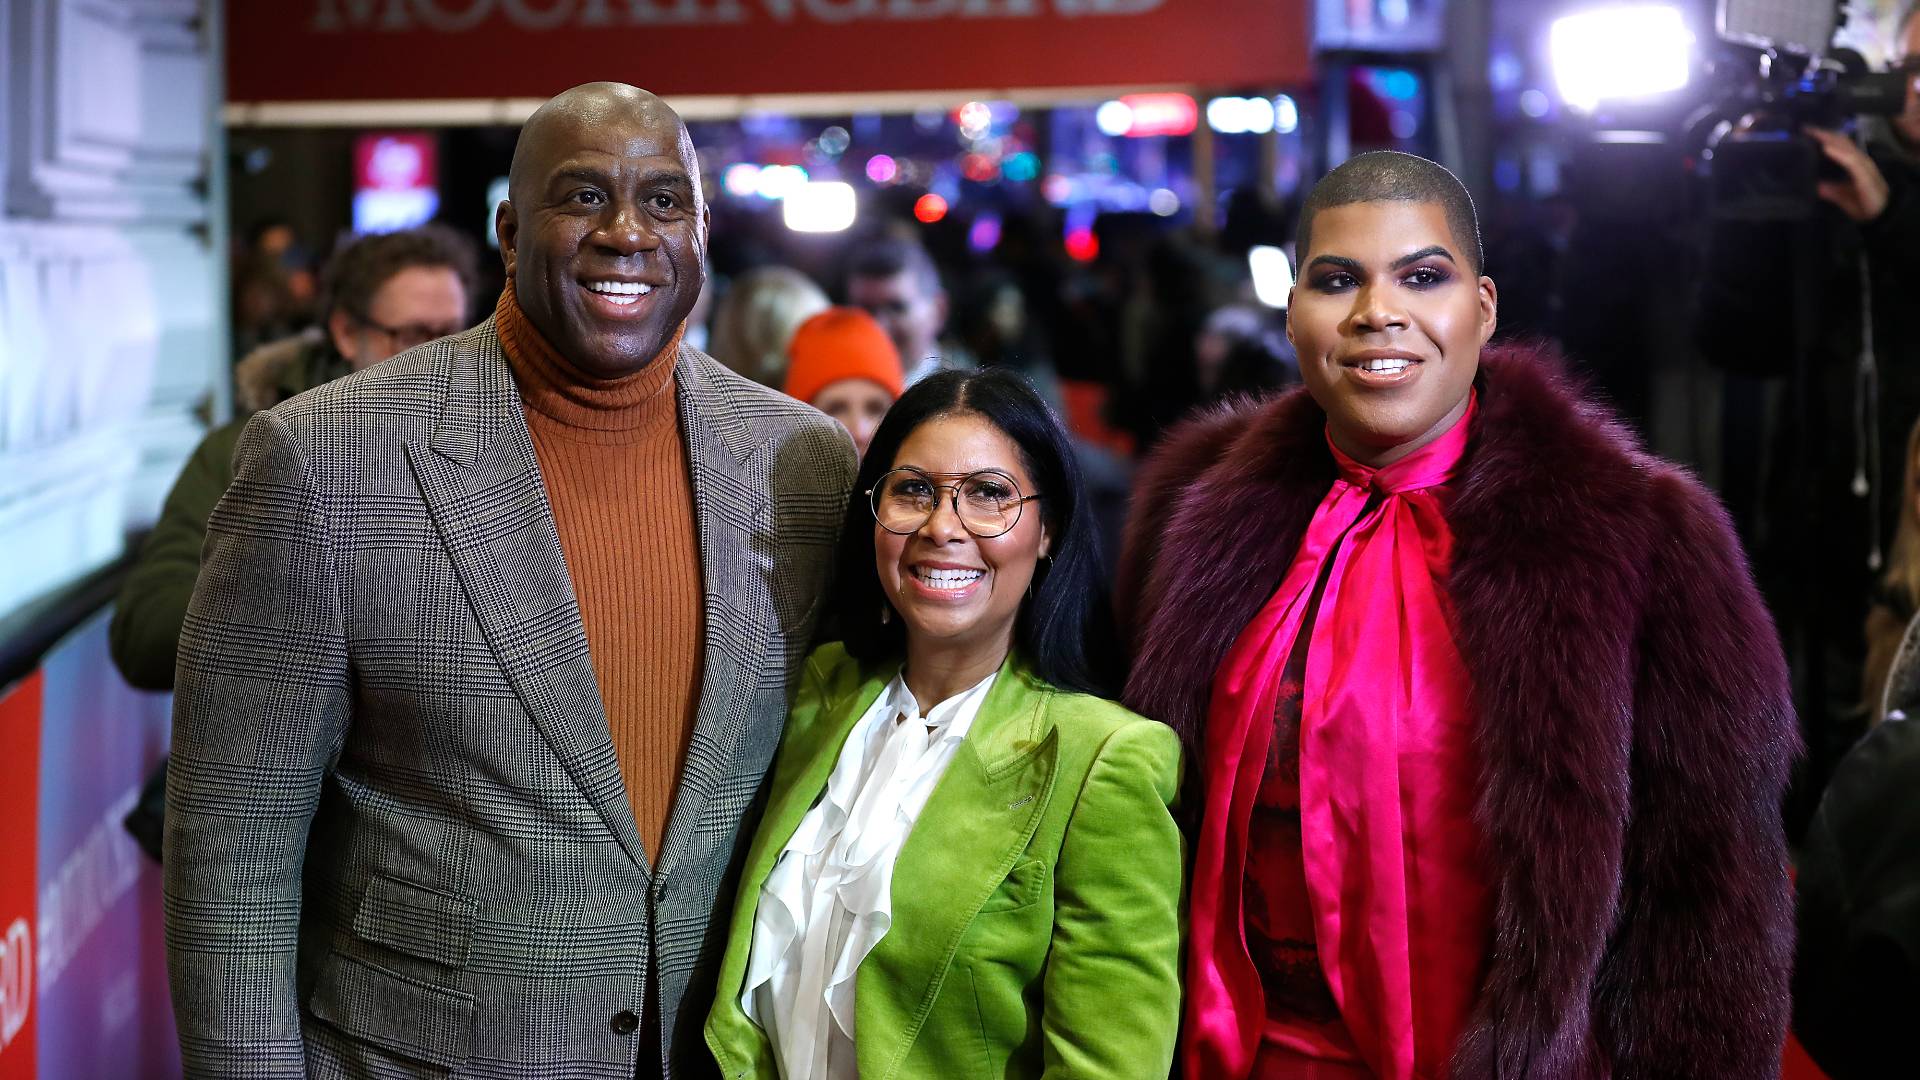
383	294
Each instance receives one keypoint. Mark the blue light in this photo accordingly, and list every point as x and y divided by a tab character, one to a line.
1506	175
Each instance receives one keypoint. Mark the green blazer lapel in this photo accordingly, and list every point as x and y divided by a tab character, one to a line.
976	824
809	749
800	774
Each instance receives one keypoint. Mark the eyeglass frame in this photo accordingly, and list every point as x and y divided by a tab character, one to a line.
953	499
407	337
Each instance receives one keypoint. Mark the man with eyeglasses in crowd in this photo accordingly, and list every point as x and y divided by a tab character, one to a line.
381	295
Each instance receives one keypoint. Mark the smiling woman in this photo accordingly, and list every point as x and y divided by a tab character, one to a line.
952	806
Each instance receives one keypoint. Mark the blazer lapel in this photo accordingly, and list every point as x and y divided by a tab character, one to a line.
732	502
976	824
482	486
801	773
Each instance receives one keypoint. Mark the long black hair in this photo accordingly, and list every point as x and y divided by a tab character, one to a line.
1065	629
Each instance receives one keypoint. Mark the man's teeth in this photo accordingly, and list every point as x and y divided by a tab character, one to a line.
620	292
946	579
1392	366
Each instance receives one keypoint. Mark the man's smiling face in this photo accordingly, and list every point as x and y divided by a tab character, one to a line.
606	227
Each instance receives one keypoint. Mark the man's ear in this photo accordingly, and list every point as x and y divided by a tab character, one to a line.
506	229
340	330
1489	309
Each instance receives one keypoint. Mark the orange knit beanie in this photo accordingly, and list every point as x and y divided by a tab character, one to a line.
841	343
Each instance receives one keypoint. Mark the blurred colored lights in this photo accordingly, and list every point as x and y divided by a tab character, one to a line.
1535	103
975	119
980	168
881	169
1286	115
780	181
1020	167
985	233
1240	116
1142	115
1398	84
1163	202
741	180
1272	275
820	206
1057	189
929	208
1083	245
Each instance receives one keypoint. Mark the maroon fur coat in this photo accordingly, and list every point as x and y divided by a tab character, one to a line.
1631	714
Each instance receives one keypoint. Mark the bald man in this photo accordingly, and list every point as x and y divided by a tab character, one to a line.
488	658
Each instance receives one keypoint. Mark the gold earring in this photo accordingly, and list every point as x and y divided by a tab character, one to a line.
886	614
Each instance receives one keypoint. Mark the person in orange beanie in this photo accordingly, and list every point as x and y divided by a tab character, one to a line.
842	363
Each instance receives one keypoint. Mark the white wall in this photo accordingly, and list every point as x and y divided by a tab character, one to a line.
112	279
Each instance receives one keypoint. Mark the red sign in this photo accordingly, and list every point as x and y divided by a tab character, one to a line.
340	50
395	161
19	870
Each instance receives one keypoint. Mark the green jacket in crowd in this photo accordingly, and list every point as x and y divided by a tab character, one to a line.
153	600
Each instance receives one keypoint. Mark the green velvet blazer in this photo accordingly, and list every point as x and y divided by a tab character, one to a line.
1036	905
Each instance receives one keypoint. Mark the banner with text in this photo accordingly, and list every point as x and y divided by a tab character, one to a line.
83	982
361	50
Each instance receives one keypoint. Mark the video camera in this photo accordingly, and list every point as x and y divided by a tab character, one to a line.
1779	74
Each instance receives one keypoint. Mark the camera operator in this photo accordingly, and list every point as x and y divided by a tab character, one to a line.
1810	312
1879	191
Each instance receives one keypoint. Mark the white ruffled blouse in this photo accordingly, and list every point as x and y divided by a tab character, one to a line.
828	901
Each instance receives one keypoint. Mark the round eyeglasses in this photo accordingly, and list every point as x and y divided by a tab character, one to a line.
988	502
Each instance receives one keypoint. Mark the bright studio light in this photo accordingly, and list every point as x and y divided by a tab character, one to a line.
1272	275
820	206
1617	53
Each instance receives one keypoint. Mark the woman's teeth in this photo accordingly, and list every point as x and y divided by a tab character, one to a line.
1391	366
620	292
946	579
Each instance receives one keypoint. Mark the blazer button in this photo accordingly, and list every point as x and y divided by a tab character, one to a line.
625	1022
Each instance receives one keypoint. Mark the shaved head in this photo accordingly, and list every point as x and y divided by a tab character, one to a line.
1390	176
604	230
586	105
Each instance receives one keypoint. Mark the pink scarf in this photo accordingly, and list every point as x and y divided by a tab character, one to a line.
1394	865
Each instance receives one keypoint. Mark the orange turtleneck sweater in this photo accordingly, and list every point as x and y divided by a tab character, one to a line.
616	475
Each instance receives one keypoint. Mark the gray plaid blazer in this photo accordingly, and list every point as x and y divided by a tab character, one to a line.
398	843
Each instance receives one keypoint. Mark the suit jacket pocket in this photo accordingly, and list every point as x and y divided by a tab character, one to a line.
415	921
415	1019
1025	884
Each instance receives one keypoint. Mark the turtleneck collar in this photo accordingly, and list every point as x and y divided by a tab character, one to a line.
558	390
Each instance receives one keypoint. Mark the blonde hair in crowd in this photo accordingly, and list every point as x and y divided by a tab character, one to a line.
1902	580
757	317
